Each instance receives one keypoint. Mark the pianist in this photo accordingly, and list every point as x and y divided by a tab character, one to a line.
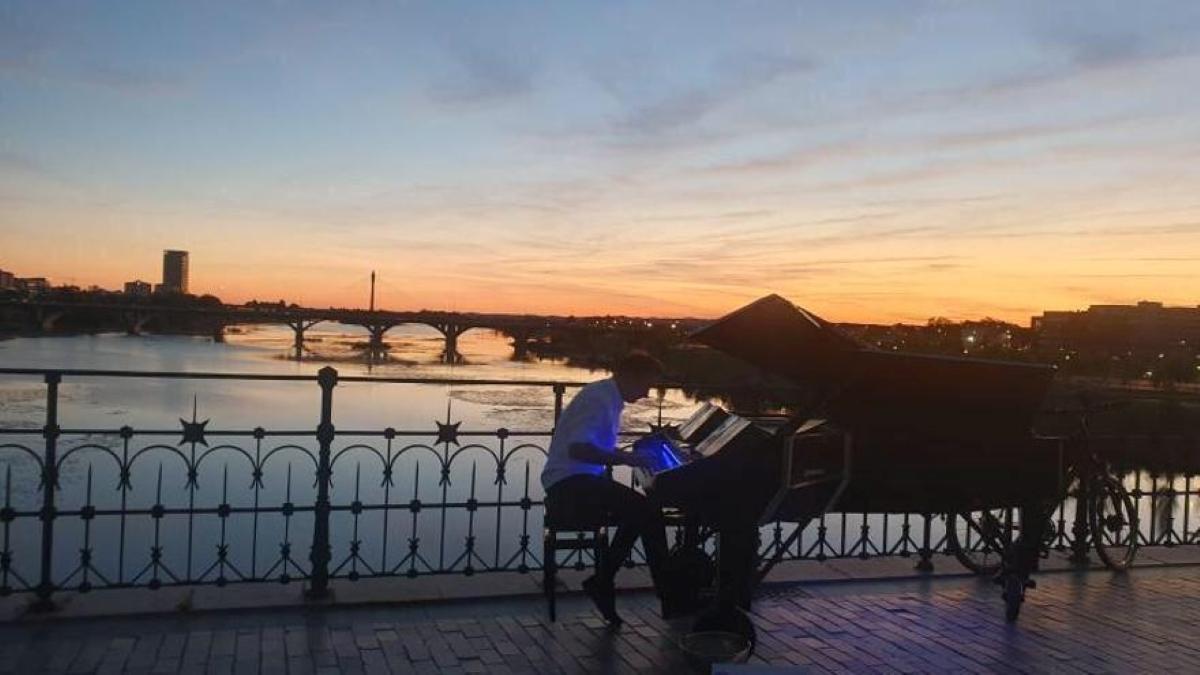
584	445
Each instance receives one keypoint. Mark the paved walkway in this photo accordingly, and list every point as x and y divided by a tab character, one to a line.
1088	622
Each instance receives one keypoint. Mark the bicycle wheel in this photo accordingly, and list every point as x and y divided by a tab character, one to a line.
978	539
1113	519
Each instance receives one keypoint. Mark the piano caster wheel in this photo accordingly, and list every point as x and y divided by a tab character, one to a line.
1014	594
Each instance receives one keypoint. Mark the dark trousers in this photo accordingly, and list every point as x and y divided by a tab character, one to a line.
589	497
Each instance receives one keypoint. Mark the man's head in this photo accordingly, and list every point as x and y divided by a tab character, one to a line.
635	374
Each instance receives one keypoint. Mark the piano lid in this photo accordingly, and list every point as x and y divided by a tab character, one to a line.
923	393
782	339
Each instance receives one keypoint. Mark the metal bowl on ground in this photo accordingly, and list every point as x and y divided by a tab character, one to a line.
720	635
703	649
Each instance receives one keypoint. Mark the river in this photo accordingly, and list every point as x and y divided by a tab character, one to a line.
415	352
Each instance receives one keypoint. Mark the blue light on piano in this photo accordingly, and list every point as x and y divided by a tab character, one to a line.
669	459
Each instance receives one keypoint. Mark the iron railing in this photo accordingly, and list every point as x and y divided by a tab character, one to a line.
91	508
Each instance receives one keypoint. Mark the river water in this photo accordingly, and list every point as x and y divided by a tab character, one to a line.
93	410
415	352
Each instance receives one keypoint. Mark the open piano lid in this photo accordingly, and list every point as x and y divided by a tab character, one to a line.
925	394
782	339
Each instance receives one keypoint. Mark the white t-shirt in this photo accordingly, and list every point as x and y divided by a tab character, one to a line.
593	416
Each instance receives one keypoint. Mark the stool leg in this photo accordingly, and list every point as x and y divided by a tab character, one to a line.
549	570
599	548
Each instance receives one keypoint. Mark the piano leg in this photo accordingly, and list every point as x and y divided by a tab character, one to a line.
736	549
1022	557
1027	549
736	578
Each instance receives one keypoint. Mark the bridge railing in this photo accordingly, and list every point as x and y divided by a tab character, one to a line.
85	508
182	504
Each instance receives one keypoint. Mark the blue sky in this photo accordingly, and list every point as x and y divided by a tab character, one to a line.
873	161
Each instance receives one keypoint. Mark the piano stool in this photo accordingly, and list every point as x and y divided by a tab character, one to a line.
570	534
580	532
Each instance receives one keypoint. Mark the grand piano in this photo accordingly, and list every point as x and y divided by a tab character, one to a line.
879	432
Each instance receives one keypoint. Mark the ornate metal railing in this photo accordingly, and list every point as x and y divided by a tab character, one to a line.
170	539
86	507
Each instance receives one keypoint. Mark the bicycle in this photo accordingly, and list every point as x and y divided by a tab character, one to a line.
1105	513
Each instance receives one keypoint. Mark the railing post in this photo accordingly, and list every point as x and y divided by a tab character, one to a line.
559	390
320	555
925	564
50	432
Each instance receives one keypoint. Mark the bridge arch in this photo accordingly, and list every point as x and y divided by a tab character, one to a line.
450	331
299	326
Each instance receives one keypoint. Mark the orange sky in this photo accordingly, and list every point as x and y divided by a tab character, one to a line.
903	273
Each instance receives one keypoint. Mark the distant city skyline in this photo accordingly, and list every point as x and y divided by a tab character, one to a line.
872	161
1142	310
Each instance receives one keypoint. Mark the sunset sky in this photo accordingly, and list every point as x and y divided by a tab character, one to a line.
889	161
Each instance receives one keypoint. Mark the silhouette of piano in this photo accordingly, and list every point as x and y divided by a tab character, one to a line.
878	432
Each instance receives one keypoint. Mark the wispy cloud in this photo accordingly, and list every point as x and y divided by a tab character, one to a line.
1146	230
126	81
1179	259
678	107
28	51
481	76
21	163
134	81
862	149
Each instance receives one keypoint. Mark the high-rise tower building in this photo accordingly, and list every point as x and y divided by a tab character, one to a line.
175	272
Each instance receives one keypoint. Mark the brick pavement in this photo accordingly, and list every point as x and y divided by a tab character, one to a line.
1091	622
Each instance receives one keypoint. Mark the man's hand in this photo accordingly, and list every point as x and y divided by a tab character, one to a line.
638	460
586	452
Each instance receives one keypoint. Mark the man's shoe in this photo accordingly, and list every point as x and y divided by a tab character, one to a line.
604	596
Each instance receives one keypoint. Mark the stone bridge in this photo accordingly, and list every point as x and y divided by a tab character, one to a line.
44	316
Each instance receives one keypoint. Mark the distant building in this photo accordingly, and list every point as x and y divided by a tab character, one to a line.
175	272
138	289
33	285
1119	327
7	281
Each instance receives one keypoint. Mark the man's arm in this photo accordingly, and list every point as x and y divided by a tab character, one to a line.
586	452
